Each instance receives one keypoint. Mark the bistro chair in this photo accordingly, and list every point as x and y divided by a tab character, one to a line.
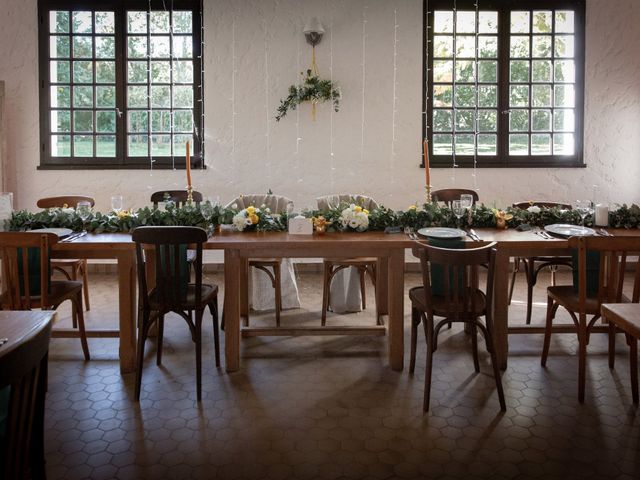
610	256
179	197
448	195
23	385
451	289
71	268
29	252
533	265
164	248
272	267
363	265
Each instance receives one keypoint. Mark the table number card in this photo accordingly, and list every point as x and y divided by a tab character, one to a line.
300	226
6	209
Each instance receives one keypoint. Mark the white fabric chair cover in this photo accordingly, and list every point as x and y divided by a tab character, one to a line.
261	292
345	294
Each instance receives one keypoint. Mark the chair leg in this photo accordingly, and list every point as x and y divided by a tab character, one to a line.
516	269
582	362
474	347
277	280
72	276
633	367
363	288
415	321
496	370
612	344
547	332
160	339
216	333
326	287
143	331
428	330
531	281
85	283
77	303
198	341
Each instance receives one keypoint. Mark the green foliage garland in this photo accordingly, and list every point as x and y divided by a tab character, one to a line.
313	89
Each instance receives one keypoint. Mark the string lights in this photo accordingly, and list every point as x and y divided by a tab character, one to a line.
267	112
364	77
454	165
477	92
392	159
331	111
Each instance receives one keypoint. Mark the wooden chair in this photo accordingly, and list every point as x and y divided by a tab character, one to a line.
271	266
27	251
23	379
179	197
364	265
172	291
612	252
447	195
533	265
71	268
459	300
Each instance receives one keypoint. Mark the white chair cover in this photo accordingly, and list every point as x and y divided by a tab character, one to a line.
261	292
345	294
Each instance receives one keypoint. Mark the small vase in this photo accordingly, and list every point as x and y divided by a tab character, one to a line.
501	224
320	229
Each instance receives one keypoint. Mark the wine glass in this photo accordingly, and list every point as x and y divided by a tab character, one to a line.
458	210
83	210
116	203
584	208
467	200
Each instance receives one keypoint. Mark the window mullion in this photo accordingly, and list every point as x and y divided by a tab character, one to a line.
121	84
503	85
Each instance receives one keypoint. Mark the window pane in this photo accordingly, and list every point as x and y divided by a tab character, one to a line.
83	97
465	144
465	22
60	145
488	71
82	121
137	97
564	21
563	120
541	120
442	144
159	22
83	145
541	71
137	72
465	46
519	71
465	96
541	46
488	22
519	120
161	145
465	120
83	72
105	47
82	47
465	71
564	95
518	144
59	47
161	120
106	72
106	122
137	22
442	95
564	46
60	121
487	96
82	22
183	97
541	95
105	97
104	22
182	22
487	144
160	47
138	145
488	120
488	47
442	22
442	46
58	22
442	120
542	21
161	96
519	22
563	144
564	71
179	144
60	96
519	96
137	47
183	71
138	122
540	144
105	146
519	47
442	71
59	71
160	72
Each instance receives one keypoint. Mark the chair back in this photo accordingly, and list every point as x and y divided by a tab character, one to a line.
25	269
447	195
23	379
276	203
168	247
61	201
525	205
179	197
461	287
332	201
613	259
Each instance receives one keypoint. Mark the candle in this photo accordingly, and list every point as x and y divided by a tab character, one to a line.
601	215
427	173
188	163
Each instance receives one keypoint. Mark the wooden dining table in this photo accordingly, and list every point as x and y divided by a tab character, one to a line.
388	248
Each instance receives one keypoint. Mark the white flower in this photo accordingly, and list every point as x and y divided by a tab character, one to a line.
239	221
234	206
534	209
354	219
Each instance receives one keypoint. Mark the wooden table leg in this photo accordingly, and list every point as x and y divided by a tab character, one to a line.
396	309
501	308
127	310
232	273
382	290
244	289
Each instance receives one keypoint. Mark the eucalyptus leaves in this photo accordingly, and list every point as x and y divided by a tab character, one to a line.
314	90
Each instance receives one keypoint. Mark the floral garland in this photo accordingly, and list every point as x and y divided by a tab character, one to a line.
313	90
340	218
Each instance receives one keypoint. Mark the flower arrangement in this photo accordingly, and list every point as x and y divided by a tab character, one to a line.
501	218
246	219
314	90
354	217
257	218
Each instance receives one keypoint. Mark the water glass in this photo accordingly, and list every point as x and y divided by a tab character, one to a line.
584	208
83	210
458	210
467	200
116	203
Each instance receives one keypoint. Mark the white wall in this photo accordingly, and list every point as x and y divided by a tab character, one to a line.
612	140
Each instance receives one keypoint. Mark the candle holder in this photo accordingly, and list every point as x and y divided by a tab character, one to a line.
427	196
189	194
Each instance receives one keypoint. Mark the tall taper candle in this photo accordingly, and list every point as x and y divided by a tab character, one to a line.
427	172
188	164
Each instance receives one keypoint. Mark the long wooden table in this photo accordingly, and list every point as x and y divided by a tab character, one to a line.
389	248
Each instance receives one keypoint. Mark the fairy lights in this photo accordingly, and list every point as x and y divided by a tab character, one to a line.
395	84
267	112
477	92
364	77
331	110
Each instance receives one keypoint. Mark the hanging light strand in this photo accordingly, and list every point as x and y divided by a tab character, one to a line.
266	100
395	84
454	165
233	90
477	95
201	96
331	112
364	77
297	81
149	91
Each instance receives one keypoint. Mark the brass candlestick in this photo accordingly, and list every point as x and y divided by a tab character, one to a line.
427	196
189	194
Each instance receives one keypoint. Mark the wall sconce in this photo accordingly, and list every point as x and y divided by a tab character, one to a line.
313	32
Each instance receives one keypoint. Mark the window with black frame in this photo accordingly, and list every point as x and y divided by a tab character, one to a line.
121	83
504	83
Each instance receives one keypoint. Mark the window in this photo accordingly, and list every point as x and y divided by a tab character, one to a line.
504	83
120	83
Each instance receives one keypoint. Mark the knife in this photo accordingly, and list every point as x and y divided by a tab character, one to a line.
474	235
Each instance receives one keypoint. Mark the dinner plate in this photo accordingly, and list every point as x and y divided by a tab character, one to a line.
60	232
442	232
566	230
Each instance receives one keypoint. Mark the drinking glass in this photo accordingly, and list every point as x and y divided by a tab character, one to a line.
584	208
467	200
458	210
116	203
83	209
289	210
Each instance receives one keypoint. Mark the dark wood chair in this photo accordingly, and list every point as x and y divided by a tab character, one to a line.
612	253
23	382
447	195
164	247
533	265
179	197
364	265
457	297
29	251
71	268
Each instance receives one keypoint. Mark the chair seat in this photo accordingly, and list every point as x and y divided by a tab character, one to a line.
567	296
443	307
354	262
208	293
265	262
60	290
627	325
66	262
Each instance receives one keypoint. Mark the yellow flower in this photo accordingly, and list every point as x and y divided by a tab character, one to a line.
358	208
251	210
123	213
413	207
254	218
366	212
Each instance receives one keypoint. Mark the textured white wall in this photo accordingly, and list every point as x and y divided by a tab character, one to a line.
612	142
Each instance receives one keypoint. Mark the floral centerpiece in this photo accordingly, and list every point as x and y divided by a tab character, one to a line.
257	218
354	217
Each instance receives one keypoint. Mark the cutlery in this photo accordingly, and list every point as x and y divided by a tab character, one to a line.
3	341
604	233
474	235
73	237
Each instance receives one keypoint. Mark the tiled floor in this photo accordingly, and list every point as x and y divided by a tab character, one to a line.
330	408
